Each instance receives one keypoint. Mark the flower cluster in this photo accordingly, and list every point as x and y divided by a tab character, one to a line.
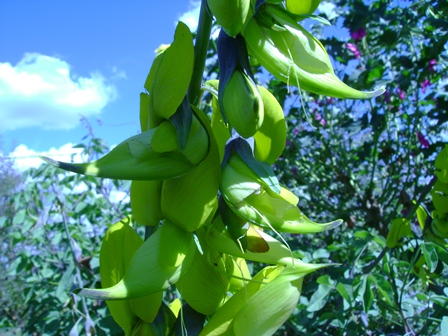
204	186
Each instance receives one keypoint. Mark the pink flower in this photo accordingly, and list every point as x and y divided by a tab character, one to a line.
358	34
425	84
401	94
353	49
422	140
320	119
431	65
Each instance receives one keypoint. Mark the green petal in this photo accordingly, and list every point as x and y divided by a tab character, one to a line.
230	14
203	286
270	138
145	202
174	73
267	211
267	309
278	254
117	249
221	322
156	265
189	200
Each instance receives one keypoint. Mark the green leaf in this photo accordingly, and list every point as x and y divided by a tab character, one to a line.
431	257
421	216
343	290
400	228
439	195
64	283
441	164
383	287
368	296
444	326
319	298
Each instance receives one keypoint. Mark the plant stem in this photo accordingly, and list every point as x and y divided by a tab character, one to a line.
200	52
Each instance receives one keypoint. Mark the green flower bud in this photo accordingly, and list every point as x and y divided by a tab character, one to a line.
239	99
296	57
230	14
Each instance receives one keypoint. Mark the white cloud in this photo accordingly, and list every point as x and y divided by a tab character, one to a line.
40	91
25	158
190	18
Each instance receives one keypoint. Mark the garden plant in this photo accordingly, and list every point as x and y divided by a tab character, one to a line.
213	242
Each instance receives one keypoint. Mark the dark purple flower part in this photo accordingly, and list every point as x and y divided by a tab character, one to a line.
358	34
295	131
422	140
353	49
387	96
431	65
425	84
294	171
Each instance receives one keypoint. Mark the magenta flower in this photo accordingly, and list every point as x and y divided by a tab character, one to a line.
431	65
425	84
401	94
353	49
358	34
422	140
320	119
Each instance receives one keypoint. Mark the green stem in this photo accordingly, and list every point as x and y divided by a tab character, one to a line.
200	52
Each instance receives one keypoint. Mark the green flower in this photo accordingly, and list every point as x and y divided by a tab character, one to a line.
295	56
252	198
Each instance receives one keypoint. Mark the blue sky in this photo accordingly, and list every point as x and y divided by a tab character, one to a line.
63	59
